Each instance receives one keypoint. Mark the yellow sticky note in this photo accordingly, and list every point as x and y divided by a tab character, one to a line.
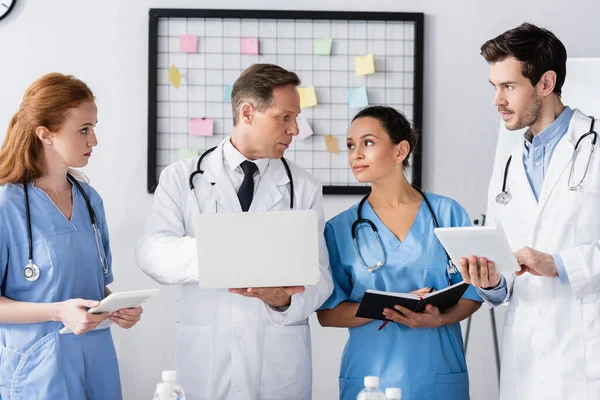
308	97
364	65
332	145
174	76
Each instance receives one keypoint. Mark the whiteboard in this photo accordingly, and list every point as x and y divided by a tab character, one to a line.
285	38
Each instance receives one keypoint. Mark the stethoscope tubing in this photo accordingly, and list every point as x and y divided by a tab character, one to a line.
199	171
504	197
31	270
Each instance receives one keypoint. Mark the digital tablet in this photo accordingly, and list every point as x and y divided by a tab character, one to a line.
117	301
486	241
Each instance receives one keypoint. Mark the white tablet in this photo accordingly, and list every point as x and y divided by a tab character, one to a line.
485	241
117	301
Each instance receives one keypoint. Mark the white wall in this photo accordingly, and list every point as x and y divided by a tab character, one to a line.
105	44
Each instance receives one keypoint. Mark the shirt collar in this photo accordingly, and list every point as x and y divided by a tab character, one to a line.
557	129
234	158
552	134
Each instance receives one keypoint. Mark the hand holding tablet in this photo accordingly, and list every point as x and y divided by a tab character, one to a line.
117	301
488	243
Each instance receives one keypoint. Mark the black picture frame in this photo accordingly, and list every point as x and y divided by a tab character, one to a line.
156	13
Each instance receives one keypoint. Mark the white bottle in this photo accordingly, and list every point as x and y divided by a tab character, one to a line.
393	393
164	391
169	388
371	390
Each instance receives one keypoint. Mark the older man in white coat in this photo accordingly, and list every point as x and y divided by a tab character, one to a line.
243	343
546	198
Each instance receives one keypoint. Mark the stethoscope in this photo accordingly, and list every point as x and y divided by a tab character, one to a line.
504	197
32	271
450	267
201	172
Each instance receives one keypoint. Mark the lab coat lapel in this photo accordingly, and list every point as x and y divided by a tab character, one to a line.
562	157
217	185
270	186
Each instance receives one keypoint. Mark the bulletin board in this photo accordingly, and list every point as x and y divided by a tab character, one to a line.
195	56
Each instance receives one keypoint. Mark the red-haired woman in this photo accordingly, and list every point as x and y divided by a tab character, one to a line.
55	258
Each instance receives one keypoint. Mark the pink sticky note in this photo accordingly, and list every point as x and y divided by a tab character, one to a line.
250	46
201	126
188	44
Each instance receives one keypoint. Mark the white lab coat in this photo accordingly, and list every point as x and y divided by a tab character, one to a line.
551	345
230	346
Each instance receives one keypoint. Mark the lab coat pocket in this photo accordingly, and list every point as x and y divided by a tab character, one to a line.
193	357
590	310
581	206
287	363
587	233
452	386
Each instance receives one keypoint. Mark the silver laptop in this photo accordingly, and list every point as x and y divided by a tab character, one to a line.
258	249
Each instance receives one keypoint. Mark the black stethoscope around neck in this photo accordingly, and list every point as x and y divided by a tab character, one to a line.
504	197
31	272
450	267
201	172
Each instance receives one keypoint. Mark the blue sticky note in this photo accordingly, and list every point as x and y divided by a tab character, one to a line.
357	97
227	93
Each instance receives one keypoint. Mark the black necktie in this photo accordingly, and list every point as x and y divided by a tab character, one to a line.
246	191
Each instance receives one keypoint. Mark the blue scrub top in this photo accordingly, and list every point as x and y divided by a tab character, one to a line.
426	363
33	357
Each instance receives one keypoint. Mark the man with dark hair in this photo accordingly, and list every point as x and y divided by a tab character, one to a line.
251	343
546	199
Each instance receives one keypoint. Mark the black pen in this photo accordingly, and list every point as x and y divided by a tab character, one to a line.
430	290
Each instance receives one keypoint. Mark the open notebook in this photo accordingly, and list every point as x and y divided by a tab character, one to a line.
374	301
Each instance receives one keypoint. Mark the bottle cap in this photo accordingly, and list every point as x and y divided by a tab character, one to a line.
393	393
371	381
169	375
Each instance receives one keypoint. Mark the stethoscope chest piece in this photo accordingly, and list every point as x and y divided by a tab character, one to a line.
31	272
503	198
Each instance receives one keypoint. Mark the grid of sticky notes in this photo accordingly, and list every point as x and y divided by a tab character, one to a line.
204	126
357	96
344	67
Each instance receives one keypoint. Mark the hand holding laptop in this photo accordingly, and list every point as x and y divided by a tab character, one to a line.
272	296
